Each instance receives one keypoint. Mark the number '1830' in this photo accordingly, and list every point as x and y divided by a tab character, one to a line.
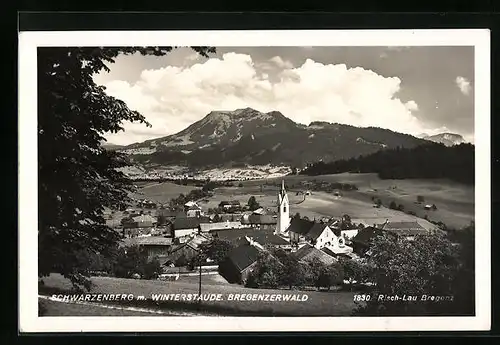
362	298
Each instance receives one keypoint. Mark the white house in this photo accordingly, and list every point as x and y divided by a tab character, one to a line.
185	227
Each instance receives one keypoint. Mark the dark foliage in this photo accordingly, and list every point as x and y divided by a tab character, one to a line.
77	176
425	161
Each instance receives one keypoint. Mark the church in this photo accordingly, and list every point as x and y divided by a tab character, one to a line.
283	211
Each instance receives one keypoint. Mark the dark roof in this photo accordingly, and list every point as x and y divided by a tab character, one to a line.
229	217
148	241
405	228
229	202
189	222
259	219
300	226
166	212
365	235
243	256
315	231
260	236
308	252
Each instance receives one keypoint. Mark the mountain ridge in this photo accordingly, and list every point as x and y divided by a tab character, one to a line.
247	136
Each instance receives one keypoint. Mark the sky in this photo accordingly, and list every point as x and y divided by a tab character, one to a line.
411	90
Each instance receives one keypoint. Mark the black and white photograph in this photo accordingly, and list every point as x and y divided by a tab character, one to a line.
251	180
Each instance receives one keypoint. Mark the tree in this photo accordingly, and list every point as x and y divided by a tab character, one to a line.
355	271
240	185
253	204
77	176
330	275
181	261
128	261
393	205
267	272
428	265
151	269
293	273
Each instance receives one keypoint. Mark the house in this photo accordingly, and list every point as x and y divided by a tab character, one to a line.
226	217
183	227
145	221
193	211
230	205
239	263
317	234
242	235
259	211
155	246
206	227
307	253
407	229
298	228
343	228
362	241
165	215
264	222
186	250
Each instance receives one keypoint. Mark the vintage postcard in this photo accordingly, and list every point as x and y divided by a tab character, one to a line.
254	180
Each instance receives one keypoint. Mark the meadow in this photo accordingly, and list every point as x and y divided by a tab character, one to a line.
454	201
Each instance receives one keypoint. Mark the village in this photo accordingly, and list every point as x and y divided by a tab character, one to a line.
175	234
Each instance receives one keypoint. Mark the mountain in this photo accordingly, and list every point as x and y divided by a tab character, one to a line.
448	139
247	136
110	146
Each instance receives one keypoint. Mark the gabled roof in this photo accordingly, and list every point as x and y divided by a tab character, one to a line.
405	228
148	241
308	252
300	226
186	223
365	235
144	218
230	203
166	212
316	230
259	219
243	256
262	237
205	227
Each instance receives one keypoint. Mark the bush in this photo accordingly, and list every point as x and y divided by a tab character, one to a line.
420	198
401	207
393	205
240	185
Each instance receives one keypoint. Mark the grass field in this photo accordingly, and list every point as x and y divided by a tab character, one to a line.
55	308
317	304
162	192
455	202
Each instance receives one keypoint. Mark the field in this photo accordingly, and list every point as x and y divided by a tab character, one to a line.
55	308
455	202
317	304
161	192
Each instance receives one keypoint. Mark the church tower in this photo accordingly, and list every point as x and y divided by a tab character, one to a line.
283	210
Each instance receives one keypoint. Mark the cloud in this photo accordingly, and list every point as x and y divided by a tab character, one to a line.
463	84
171	98
281	63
